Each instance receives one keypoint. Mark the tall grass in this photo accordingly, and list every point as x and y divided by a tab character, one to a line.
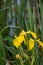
28	15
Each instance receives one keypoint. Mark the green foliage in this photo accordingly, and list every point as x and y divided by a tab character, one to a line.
23	16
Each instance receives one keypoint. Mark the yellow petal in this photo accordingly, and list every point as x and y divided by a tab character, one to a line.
31	44
40	43
22	32
17	42
33	34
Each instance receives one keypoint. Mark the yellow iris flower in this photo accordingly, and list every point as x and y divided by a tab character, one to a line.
18	40
40	43
32	33
31	44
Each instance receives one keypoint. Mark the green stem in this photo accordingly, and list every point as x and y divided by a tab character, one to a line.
8	27
21	61
33	59
24	54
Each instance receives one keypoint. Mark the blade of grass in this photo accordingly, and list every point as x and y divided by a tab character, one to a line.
30	15
41	10
2	52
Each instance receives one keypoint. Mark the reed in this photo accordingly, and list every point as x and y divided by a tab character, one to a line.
21	32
